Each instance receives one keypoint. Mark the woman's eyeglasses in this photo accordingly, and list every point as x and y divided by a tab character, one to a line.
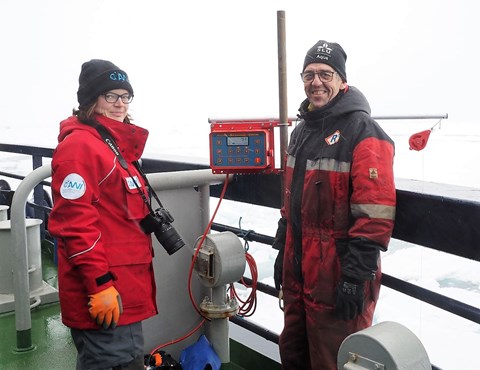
111	97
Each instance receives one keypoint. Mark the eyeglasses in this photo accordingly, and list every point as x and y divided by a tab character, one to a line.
324	76
111	97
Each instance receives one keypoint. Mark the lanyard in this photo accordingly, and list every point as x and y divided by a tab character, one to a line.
108	139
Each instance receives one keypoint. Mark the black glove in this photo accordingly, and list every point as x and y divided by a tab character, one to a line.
279	244
358	257
349	300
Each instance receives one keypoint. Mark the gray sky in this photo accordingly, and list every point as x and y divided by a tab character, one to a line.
191	60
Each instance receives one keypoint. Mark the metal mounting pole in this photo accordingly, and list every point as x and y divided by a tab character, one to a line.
282	88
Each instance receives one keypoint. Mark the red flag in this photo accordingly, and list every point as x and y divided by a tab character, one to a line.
419	140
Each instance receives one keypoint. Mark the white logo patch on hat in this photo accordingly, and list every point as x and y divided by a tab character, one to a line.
73	186
323	52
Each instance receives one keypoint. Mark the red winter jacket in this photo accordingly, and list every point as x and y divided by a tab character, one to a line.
95	218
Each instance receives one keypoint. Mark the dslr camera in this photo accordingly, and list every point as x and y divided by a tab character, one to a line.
160	223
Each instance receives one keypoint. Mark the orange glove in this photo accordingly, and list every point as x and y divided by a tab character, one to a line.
105	307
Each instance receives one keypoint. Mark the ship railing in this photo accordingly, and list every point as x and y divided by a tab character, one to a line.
446	215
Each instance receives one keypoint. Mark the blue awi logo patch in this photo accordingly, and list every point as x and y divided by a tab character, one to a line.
73	186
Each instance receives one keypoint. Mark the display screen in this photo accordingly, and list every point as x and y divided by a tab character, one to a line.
237	140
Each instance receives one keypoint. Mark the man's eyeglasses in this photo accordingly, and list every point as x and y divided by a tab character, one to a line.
111	97
324	76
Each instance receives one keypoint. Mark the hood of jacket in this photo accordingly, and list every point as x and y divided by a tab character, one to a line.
347	101
130	139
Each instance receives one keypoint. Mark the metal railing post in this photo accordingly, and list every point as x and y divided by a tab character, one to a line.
21	288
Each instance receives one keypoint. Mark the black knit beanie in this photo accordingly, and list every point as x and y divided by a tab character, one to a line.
97	77
329	53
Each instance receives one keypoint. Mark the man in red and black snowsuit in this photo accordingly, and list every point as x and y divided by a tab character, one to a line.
338	214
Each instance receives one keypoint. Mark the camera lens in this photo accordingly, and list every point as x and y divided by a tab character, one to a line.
169	238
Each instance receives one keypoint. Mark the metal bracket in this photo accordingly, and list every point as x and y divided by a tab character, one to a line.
204	264
357	362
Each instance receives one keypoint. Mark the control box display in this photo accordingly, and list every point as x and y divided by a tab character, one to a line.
242	147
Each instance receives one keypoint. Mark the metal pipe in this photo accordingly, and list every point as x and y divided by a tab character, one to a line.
183	179
293	119
21	289
243	120
217	328
282	85
205	204
435	116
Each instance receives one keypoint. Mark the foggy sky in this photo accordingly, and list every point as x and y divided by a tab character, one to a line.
191	60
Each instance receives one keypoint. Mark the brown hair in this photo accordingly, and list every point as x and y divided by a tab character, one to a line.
87	115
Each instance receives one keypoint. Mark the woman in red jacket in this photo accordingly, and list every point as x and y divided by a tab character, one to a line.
106	279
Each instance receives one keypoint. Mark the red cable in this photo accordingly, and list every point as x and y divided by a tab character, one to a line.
248	306
178	339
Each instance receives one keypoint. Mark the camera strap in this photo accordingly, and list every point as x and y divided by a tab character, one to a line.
108	139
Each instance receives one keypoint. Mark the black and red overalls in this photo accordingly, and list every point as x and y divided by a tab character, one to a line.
339	186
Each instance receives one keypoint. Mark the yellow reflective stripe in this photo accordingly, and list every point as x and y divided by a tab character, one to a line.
328	164
373	211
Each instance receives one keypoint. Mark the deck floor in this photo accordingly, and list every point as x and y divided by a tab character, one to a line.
53	346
